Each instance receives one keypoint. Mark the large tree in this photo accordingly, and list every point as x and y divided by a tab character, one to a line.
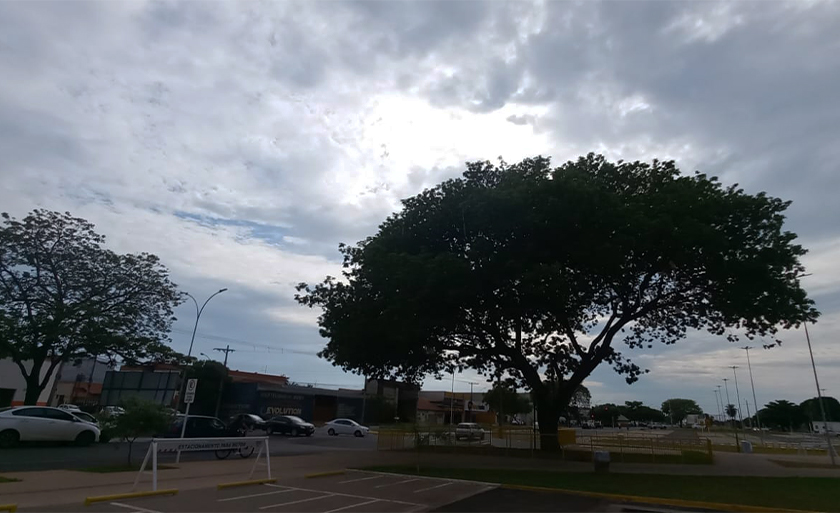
64	296
677	409
783	415
539	274
811	409
505	401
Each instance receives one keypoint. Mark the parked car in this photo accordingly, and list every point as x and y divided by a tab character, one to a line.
199	426
289	425
43	423
69	407
346	427
85	417
468	431
112	411
245	422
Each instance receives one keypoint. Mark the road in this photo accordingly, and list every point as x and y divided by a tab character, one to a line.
55	456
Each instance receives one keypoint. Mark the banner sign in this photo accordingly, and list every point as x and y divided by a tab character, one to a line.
207	444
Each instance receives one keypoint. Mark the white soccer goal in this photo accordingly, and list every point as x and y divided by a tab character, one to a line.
243	446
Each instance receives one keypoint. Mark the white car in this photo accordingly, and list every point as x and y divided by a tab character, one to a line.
69	407
85	417
346	427
42	424
469	431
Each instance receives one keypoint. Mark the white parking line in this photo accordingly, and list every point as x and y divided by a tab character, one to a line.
360	479
133	508
346	495
298	501
252	495
397	483
352	506
432	487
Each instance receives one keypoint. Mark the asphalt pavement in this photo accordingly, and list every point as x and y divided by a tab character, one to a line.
30	457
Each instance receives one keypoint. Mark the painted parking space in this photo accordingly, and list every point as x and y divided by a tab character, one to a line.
350	492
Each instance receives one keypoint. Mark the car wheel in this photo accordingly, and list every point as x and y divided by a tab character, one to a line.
331	432
358	434
294	432
308	434
85	438
9	438
269	431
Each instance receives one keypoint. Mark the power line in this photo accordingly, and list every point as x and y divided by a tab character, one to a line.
269	348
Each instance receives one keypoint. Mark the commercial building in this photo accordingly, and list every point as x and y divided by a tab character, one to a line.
80	382
13	386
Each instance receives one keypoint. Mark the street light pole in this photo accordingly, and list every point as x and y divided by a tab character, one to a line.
722	409
738	396
717	401
819	397
198	312
726	387
752	384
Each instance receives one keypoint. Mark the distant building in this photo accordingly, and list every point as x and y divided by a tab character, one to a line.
312	404
13	386
80	382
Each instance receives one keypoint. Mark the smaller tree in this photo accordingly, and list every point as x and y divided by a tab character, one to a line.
811	409
731	411
504	400
782	414
678	409
141	418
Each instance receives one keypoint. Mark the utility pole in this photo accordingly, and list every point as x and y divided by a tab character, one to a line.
472	417
227	350
737	395
717	400
722	409
819	397
452	403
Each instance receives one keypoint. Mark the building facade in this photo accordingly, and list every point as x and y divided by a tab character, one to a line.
13	386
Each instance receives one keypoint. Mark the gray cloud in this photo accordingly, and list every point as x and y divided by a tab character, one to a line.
243	141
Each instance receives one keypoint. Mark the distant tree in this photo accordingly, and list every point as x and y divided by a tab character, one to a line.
210	374
731	411
637	411
503	399
782	414
811	409
540	273
63	296
141	418
605	413
678	409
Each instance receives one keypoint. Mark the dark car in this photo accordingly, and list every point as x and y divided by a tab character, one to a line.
200	426
289	425
246	422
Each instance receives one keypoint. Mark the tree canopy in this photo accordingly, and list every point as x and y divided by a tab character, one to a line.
503	399
140	418
811	409
677	409
64	296
782	414
539	274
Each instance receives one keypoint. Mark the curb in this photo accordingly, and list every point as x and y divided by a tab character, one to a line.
716	506
130	495
234	484
324	474
11	508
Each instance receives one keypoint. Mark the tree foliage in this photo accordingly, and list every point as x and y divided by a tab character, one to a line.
540	274
811	409
731	411
632	410
64	296
783	415
504	400
141	418
678	409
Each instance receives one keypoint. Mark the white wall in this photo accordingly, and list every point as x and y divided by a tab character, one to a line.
10	377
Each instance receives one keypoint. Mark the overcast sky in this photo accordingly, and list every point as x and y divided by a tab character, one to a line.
243	141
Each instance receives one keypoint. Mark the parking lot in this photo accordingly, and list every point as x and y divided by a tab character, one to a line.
352	491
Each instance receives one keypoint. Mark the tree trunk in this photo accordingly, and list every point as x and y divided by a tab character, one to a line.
33	385
548	414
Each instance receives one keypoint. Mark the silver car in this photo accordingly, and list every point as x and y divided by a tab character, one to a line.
469	431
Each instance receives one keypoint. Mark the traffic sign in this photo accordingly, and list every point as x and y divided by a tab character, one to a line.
189	396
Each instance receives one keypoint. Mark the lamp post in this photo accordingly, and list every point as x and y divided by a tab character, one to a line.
717	400
819	397
726	387
722	409
198	312
737	395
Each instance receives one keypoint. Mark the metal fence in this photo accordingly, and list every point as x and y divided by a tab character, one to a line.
527	443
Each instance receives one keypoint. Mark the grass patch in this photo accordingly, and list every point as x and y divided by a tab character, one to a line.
581	455
108	469
803	493
8	480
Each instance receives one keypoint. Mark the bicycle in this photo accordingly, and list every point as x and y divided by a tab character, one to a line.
244	452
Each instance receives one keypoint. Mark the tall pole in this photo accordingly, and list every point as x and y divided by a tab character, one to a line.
452	402
726	387
198	312
717	401
225	350
747	402
752	384
722	409
737	395
819	397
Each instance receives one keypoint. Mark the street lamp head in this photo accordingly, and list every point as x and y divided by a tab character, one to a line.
221	290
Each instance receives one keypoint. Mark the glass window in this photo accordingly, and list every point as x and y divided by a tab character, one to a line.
217	424
58	415
29	412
